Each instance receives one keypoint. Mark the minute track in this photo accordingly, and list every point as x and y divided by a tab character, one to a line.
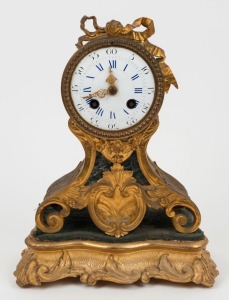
112	87
116	101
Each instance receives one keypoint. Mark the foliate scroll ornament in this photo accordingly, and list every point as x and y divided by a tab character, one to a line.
32	270
173	202
53	221
52	211
205	269
26	271
116	202
115	28
201	270
125	267
117	151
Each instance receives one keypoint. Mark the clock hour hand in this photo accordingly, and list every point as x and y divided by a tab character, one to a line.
100	93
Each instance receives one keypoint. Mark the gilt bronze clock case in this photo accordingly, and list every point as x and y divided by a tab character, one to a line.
117	216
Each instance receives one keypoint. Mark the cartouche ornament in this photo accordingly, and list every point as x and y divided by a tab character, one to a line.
117	216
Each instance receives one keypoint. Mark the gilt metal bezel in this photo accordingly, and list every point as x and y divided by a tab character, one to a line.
103	43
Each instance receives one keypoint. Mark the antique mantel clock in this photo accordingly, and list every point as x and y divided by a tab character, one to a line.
117	216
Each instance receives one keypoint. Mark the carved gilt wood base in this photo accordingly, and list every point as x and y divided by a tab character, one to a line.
124	263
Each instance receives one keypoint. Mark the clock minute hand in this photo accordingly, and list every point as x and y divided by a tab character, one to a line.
100	93
111	79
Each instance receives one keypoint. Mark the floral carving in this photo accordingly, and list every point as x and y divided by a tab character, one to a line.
116	151
114	28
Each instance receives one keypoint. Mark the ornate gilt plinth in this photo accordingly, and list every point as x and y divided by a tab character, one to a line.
125	263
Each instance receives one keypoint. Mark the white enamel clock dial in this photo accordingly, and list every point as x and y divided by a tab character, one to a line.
115	106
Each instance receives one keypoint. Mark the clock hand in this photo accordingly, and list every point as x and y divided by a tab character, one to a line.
111	79
112	90
100	93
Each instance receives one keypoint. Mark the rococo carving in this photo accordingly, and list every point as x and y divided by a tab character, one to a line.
115	189
109	264
116	202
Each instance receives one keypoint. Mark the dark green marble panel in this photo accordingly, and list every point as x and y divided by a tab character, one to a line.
155	225
102	164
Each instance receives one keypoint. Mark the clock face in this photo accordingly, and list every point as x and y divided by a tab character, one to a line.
112	88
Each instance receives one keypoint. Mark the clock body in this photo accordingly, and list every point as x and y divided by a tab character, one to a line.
112	87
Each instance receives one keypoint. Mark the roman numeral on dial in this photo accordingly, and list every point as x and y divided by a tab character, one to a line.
99	112
138	90
88	101
112	115
87	89
135	77
125	67
113	64
99	67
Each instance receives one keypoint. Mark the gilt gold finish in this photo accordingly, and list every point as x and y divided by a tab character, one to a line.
115	28
111	79
128	186
116	202
119	150
112	90
163	191
121	263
